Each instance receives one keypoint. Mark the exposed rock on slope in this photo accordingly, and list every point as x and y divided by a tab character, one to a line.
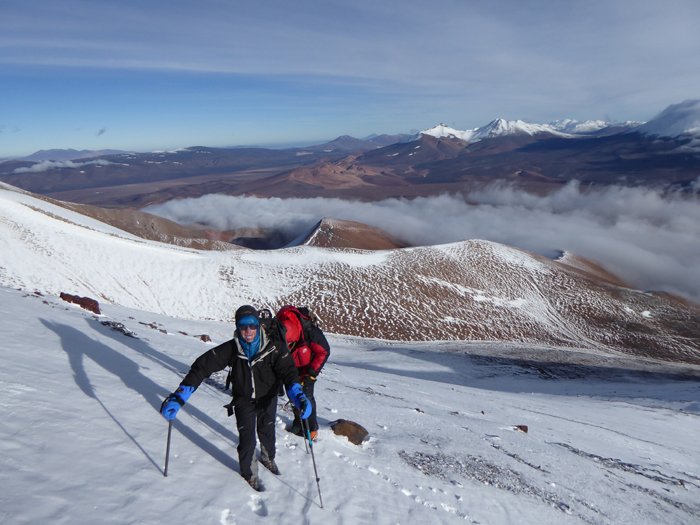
337	233
479	290
589	268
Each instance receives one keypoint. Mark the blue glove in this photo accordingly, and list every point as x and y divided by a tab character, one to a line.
305	407
295	393
174	401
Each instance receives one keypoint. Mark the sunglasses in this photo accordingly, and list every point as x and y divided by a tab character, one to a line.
245	327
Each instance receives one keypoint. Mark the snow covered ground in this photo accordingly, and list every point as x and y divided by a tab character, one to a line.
610	440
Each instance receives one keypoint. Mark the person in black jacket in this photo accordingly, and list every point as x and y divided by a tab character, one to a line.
260	364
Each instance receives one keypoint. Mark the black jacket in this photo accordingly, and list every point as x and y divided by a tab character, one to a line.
255	380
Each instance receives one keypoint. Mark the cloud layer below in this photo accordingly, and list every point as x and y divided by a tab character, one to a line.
46	165
649	239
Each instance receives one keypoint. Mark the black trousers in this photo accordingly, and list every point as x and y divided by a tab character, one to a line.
250	417
307	387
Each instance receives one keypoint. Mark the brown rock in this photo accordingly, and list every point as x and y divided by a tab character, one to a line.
204	338
355	433
522	428
84	302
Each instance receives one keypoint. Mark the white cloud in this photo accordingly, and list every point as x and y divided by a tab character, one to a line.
695	185
46	165
691	147
649	239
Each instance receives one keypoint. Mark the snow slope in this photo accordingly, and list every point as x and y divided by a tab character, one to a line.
609	441
474	290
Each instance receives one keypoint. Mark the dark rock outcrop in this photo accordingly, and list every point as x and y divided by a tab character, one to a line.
355	433
84	302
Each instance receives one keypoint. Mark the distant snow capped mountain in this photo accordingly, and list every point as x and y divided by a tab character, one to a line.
573	126
441	130
598	128
501	127
676	120
496	128
568	128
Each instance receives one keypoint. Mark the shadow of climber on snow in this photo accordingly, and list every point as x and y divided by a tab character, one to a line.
77	346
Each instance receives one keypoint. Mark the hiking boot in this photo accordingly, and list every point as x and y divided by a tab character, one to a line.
296	430
270	465
254	483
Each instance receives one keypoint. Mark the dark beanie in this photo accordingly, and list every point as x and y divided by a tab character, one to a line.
246	310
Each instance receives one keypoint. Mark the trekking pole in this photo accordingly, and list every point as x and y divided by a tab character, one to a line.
313	458
297	414
167	448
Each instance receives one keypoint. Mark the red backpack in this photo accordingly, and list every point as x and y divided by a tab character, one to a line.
307	321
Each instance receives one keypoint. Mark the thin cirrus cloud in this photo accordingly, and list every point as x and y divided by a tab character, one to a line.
649	239
520	58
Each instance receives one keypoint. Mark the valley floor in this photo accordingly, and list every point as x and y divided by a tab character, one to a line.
609	441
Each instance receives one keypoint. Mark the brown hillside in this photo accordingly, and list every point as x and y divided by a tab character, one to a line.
336	233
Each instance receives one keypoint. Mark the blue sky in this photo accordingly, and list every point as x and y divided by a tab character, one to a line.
162	75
